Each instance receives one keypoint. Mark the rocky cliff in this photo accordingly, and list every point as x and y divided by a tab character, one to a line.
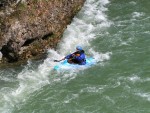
29	27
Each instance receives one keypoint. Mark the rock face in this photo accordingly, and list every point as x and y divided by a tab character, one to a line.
28	28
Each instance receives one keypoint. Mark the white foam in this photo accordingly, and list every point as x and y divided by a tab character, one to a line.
29	81
81	31
133	3
100	56
134	78
137	14
91	89
144	95
83	28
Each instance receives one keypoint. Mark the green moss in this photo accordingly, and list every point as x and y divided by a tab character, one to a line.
35	1
21	6
19	9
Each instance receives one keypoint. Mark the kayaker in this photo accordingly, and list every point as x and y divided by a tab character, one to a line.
77	57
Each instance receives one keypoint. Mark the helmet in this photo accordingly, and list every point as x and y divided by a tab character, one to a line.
78	47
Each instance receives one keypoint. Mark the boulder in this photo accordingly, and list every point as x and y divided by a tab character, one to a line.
29	27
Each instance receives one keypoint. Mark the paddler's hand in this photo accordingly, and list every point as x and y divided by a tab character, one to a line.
73	55
77	54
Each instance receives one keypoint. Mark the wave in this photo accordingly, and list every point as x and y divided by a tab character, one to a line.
81	31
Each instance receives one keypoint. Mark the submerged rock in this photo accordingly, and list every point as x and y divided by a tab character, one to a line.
29	27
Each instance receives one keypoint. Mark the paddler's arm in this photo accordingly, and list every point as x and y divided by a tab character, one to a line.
66	57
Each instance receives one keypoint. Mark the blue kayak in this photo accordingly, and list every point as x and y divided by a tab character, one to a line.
64	65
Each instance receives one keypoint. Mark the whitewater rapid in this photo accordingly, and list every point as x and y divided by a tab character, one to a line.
88	23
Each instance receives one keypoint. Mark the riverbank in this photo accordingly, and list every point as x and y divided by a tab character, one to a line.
29	28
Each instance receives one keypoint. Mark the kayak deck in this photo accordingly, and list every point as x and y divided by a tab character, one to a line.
66	66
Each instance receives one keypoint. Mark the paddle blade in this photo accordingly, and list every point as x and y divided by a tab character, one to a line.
56	60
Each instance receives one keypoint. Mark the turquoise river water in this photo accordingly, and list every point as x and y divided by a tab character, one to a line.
117	34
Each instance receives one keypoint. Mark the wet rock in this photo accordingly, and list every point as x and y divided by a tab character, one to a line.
30	27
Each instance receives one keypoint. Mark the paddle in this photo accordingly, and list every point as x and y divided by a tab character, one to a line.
57	60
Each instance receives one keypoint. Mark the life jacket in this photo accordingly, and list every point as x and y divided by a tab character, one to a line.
77	58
